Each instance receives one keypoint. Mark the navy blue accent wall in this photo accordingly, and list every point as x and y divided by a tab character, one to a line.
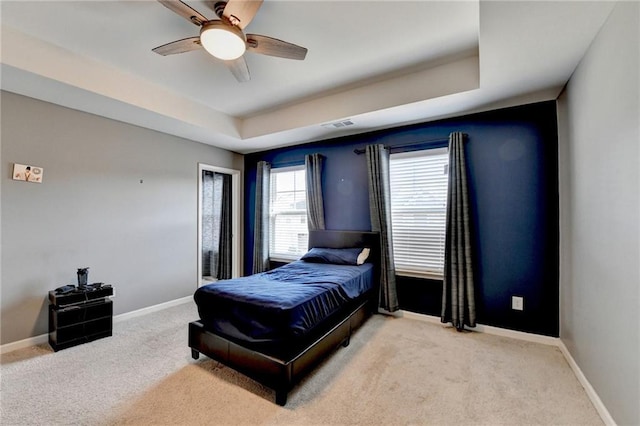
512	157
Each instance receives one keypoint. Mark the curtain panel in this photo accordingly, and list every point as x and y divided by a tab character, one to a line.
315	205
380	211
207	223
211	221
458	299
224	245
261	223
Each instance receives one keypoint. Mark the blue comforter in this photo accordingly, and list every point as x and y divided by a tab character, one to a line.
281	303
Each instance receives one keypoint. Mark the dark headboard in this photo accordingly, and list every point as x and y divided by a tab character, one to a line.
353	239
347	239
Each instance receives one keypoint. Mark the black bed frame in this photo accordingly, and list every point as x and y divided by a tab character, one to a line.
281	370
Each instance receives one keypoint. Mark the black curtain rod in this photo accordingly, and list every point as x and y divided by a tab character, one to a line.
362	151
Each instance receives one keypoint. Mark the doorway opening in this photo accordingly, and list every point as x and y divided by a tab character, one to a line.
218	223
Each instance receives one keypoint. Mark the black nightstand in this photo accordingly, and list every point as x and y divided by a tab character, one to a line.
79	317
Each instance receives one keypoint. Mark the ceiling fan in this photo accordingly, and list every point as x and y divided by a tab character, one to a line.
224	38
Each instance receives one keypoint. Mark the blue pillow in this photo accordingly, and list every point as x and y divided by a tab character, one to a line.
343	256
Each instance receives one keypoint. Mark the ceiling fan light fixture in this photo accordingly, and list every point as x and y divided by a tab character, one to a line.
223	41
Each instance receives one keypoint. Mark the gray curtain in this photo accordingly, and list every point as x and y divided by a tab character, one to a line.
458	300
315	205
380	211
224	245
261	222
211	219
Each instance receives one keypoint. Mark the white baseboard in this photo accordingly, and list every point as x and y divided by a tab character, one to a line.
44	338
25	343
593	396
535	338
520	335
150	309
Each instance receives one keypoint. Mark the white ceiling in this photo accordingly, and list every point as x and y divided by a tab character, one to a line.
380	64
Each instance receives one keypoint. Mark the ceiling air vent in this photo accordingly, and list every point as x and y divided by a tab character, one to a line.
339	124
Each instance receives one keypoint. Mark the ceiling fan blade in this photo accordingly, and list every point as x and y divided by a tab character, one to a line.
185	11
241	12
273	47
239	69
178	46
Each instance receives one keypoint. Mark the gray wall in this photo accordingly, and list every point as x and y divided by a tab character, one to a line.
117	198
600	215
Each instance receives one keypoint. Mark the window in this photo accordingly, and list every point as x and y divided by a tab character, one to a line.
418	211
288	232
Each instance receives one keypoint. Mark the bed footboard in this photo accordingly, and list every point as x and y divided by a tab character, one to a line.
278	373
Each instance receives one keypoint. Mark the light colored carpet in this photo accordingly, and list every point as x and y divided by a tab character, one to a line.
395	371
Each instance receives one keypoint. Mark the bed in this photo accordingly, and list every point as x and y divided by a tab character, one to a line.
276	326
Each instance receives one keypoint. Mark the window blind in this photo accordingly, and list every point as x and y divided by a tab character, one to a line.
418	211
288	229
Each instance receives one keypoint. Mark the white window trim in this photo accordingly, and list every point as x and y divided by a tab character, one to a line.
416	274
283	257
287	168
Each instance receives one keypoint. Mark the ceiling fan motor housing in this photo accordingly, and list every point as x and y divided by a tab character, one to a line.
218	7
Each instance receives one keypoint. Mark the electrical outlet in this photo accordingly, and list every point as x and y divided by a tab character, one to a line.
517	303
